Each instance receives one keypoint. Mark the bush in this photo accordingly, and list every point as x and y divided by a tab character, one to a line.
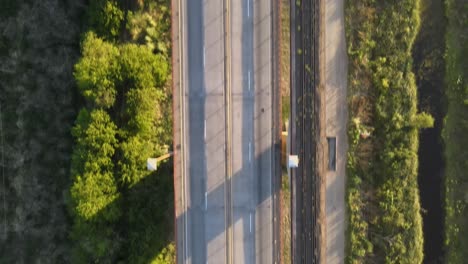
97	71
423	120
94	195
151	26
140	68
105	17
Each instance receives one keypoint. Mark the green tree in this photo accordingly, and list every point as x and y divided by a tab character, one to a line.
141	68
132	163
144	111
97	71
105	17
423	120
94	195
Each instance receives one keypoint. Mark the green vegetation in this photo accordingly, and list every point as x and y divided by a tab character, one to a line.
285	195
455	133
97	70
94	192
121	211
39	43
382	193
105	17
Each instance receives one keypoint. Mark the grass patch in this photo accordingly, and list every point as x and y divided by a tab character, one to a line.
285	52
382	192
285	195
285	219
455	131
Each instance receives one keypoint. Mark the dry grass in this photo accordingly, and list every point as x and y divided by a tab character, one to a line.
285	49
285	198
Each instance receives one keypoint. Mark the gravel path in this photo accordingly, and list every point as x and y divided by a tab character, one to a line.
336	119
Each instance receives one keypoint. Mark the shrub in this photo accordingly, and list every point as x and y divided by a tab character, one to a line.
105	17
94	195
423	120
97	71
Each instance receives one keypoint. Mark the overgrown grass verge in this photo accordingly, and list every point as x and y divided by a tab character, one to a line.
455	133
384	221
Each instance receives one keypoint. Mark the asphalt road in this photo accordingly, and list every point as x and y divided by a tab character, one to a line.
224	155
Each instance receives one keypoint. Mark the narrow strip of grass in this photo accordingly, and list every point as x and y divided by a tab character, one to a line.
285	197
382	192
455	133
285	219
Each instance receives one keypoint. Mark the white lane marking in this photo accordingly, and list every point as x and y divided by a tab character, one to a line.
248	8
206	200
249	80
250	221
250	151
204	130
204	52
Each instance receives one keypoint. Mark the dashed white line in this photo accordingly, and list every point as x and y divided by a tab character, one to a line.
250	151
250	221
206	200
248	79
248	8
204	130
204	52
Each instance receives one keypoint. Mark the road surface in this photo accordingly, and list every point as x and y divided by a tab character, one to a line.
223	131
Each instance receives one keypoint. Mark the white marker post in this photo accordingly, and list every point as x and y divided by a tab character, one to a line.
204	130
204	52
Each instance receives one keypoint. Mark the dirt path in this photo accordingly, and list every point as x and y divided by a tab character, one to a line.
335	74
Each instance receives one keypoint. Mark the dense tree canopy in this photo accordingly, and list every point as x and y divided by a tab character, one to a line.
141	68
116	202
97	71
94	191
105	17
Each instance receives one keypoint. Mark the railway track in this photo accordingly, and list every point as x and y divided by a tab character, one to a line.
305	242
